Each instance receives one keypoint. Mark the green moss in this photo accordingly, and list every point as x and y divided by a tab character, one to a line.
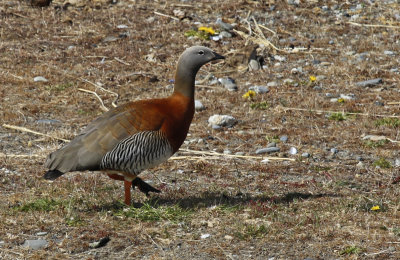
383	163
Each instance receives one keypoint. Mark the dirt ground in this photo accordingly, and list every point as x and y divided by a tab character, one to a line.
331	192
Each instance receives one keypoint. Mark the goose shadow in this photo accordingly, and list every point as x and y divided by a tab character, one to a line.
208	199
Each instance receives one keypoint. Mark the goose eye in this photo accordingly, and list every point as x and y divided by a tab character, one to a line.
201	52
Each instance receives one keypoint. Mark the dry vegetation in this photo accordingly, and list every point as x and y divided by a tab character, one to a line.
212	207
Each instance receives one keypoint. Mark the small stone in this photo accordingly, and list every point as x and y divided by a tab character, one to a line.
41	233
280	58
223	25
305	155
254	65
229	83
2	243
40	79
198	105
397	162
151	19
333	100
228	237
221	121
320	77
239	153
227	152
293	150
379	103
316	62
360	165
35	244
179	13
331	42
272	144
224	34
48	121
283	138
272	84
259	89
122	26
268	150
369	83
334	150
390	53
204	236
348	96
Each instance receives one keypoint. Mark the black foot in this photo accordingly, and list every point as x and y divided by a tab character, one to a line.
143	186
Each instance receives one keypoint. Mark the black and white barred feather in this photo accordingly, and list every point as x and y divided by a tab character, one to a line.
138	152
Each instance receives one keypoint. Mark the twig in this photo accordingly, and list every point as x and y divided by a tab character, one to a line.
329	111
259	40
23	129
165	15
266	28
20	155
374	25
101	88
104	108
123	62
393	103
235	156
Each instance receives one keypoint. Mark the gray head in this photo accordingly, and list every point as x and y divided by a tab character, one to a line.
189	64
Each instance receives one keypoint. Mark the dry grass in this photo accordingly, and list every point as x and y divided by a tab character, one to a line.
318	207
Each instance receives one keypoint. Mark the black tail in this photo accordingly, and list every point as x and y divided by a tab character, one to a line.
52	175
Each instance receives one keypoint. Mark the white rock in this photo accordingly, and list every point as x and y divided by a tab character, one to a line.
204	236
40	79
221	120
122	26
259	89
198	105
293	150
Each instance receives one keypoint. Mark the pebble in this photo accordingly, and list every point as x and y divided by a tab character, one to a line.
221	121
272	84
390	53
225	34
268	150
288	81
35	244
305	155
198	105
334	150
379	103
228	237
360	165
293	150
223	25
229	83
254	65
227	152
259	89
369	83
40	79
348	96
41	233
397	162
280	58
48	121
2	243
204	236
283	138
239	153
272	144
122	26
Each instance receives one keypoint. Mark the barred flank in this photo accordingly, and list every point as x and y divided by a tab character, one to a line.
138	152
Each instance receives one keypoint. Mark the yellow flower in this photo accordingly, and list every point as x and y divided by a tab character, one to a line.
313	78
341	100
375	208
207	30
249	94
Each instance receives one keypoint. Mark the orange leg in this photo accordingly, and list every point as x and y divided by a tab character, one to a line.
127	185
